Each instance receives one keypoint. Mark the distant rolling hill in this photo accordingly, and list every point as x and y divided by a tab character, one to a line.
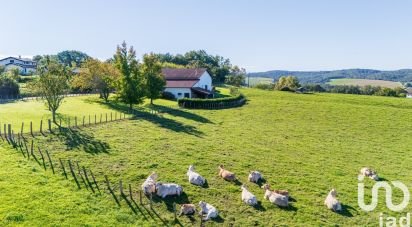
402	75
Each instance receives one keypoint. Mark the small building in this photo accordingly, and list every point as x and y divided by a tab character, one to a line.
188	83
25	65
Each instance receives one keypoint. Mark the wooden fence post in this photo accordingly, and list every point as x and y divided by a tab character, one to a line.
121	188
75	121
130	192
41	126
21	131
174	210
89	119
50	160
50	130
64	170
95	119
31	129
83	120
9	131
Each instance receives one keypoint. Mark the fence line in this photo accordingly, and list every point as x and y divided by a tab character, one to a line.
10	98
19	143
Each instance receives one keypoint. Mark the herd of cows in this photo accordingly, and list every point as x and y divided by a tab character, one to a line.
279	198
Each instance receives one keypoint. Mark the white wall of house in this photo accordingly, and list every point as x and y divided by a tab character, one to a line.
23	65
205	82
409	95
179	92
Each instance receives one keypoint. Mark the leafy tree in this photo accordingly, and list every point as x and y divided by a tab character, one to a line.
237	76
218	66
98	76
286	83
37	58
2	69
14	74
152	71
8	86
130	87
72	58
52	84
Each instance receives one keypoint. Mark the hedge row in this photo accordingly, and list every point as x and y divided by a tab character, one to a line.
218	103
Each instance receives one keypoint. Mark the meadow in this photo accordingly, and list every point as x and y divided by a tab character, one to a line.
258	80
305	143
365	82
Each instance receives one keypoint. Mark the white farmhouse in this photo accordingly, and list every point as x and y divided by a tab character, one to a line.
188	83
25	65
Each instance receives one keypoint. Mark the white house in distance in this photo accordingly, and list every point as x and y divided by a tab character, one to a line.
188	83
408	92
25	65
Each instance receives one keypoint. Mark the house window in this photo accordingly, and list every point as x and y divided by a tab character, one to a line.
11	61
187	95
206	87
179	94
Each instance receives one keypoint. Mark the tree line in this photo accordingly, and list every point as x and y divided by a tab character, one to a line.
131	80
291	83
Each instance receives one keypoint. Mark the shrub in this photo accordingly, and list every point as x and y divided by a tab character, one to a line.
168	95
217	103
264	86
8	87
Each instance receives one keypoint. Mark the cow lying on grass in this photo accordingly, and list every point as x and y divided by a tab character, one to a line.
332	202
149	185
209	210
275	198
225	174
248	197
166	189
194	177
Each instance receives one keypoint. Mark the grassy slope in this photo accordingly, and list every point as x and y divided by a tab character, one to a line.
364	82
25	111
304	143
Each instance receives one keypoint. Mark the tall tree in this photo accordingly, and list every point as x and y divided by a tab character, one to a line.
72	58
98	76
130	88
152	71
52	84
237	76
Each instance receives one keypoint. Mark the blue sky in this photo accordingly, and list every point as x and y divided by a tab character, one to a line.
258	35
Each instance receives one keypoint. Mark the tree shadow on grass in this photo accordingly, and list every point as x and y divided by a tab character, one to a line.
181	113
77	139
140	113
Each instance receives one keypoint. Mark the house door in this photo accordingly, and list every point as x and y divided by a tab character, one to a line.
187	95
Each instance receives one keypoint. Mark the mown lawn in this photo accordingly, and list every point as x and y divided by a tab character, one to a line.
307	144
365	82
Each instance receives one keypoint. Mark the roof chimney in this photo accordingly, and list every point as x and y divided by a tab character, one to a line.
19	56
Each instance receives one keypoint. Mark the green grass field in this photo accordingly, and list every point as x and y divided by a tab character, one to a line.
306	144
364	82
258	80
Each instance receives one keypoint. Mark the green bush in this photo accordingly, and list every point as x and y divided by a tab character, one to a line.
217	103
8	87
265	86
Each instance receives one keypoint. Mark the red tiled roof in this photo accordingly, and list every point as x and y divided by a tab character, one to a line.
180	83
183	74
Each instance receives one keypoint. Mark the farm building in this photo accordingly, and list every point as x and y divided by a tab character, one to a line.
25	65
188	83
